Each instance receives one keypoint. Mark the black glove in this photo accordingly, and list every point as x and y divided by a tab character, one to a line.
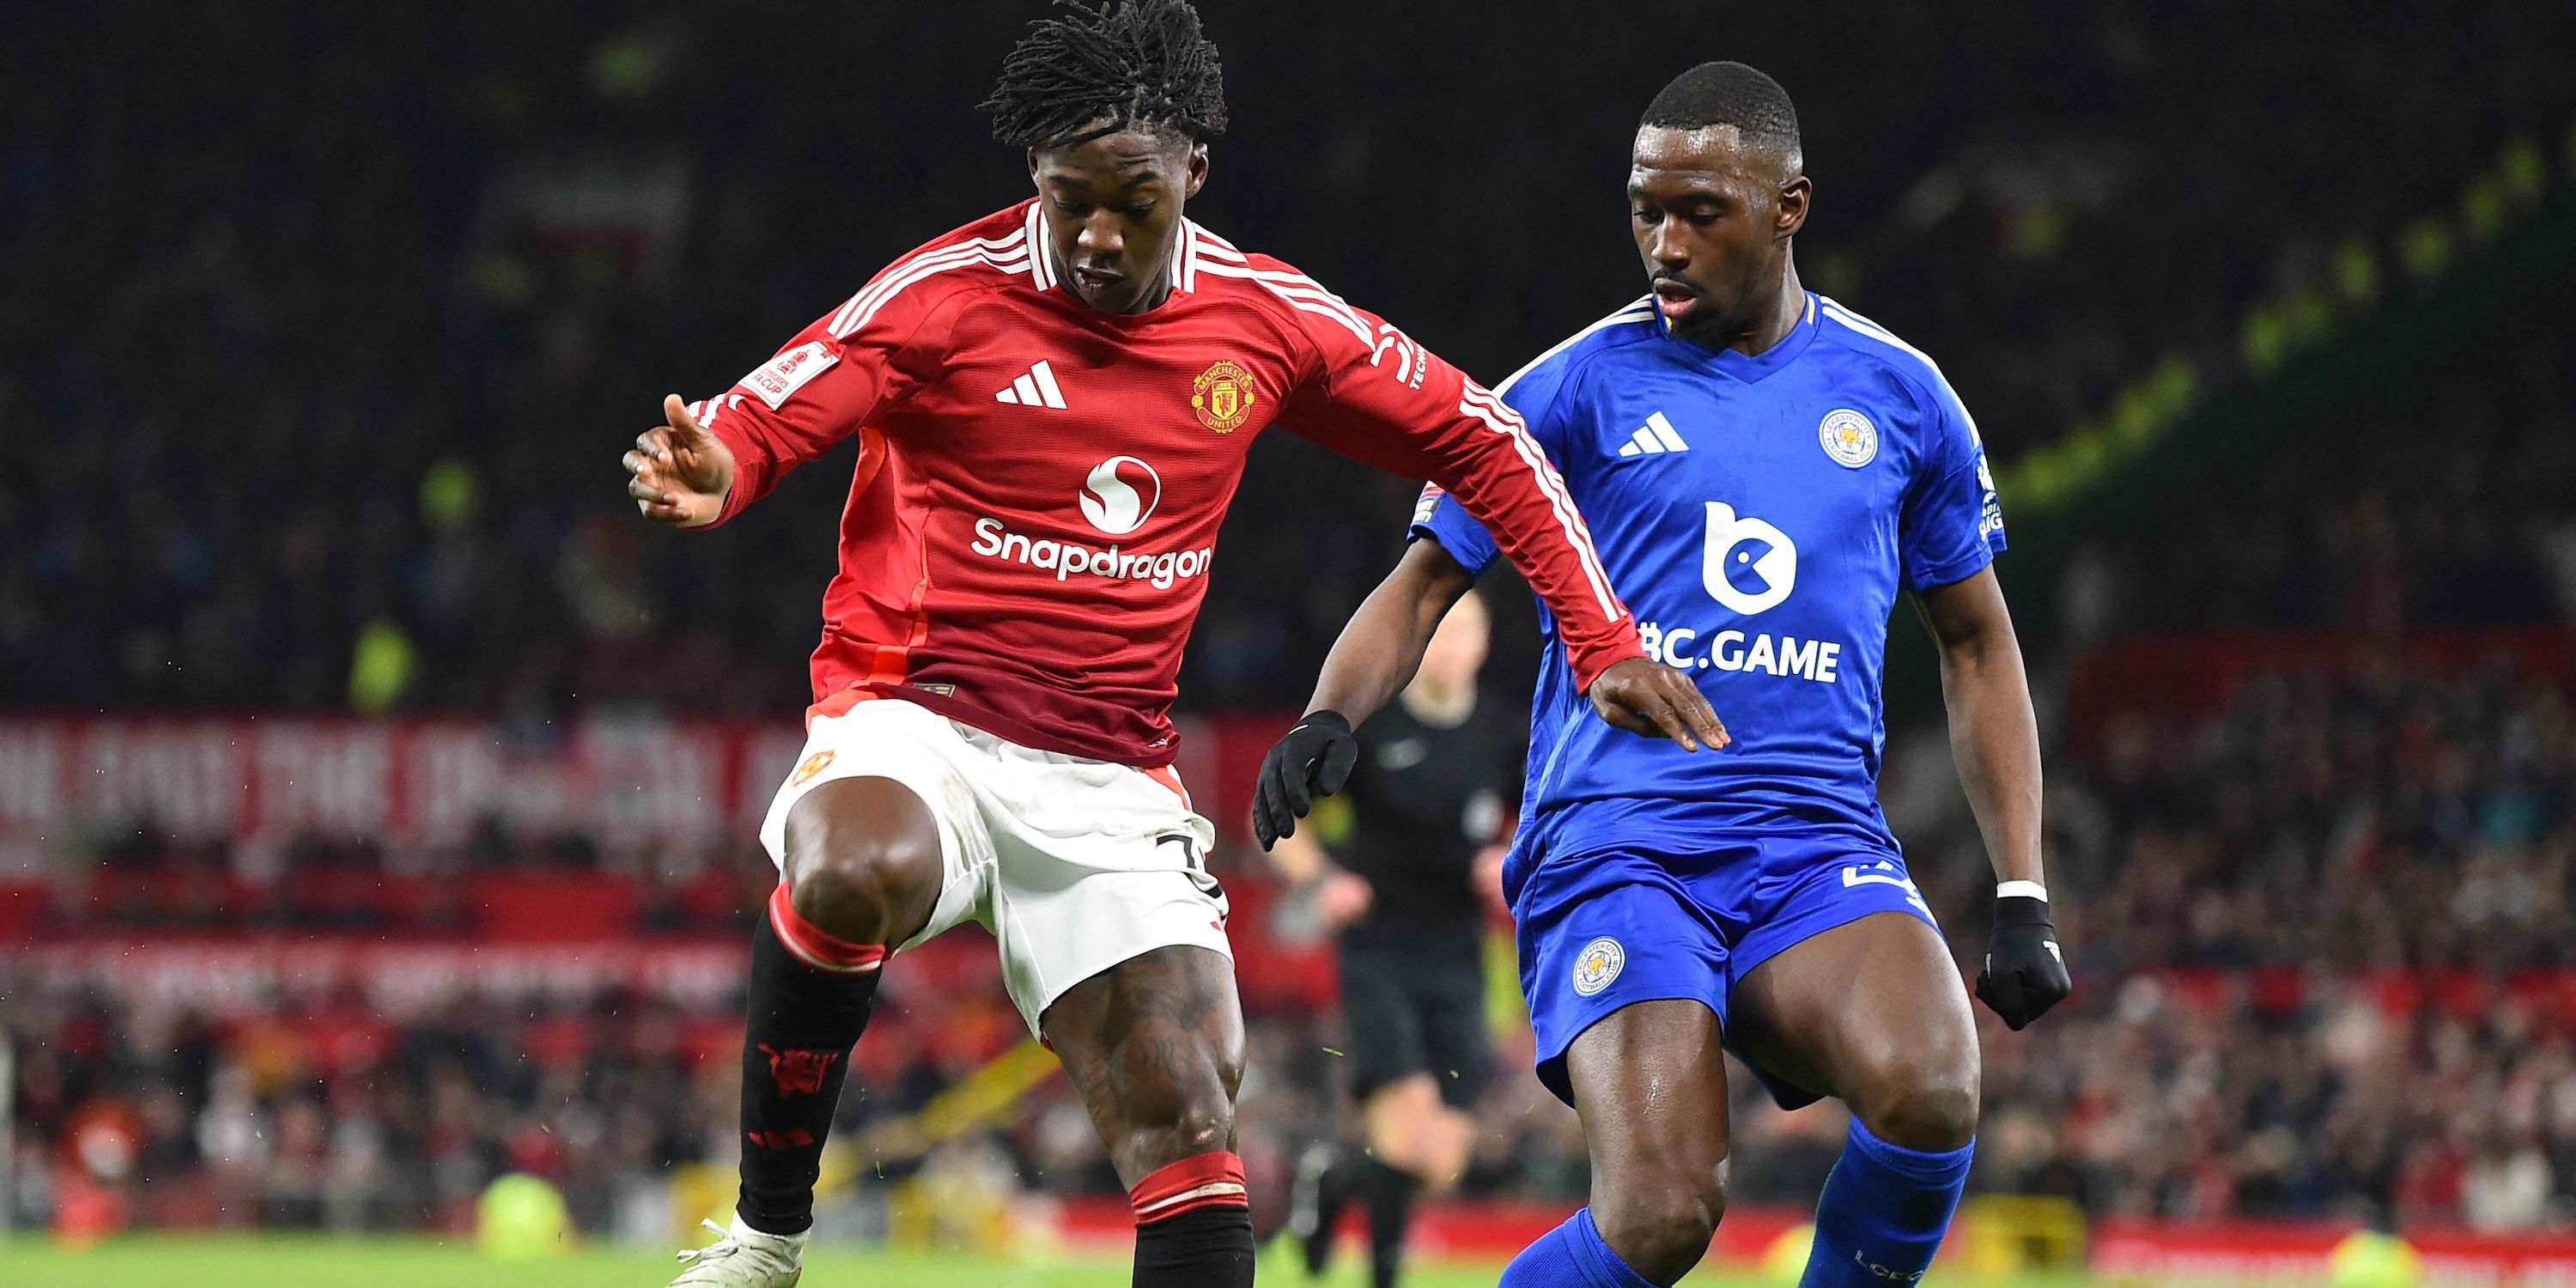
2025	974
1315	759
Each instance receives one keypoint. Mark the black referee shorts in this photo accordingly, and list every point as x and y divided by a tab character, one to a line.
1415	1012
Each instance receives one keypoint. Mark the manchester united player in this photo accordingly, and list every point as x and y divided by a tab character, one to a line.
1053	405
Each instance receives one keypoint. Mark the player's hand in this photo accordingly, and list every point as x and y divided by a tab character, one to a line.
1644	696
2025	973
1342	898
1314	760
678	472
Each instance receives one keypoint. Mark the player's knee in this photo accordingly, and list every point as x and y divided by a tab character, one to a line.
1175	1105
1175	1121
1204	1124
1660	1223
1931	1105
856	872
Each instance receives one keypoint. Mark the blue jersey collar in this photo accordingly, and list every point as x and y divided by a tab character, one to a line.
1754	367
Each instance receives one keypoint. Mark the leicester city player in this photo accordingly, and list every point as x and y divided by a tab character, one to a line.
1764	471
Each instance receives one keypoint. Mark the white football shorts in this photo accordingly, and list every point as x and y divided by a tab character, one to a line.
1075	865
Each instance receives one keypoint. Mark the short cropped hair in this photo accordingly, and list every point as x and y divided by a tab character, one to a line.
1719	94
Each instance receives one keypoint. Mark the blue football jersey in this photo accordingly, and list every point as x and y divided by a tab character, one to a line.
1758	514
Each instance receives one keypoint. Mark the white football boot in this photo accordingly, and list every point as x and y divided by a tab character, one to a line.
743	1257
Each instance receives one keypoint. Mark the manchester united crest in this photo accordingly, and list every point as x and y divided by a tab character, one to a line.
1223	396
799	1072
813	765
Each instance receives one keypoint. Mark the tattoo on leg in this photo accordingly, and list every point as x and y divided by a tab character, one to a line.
1155	1048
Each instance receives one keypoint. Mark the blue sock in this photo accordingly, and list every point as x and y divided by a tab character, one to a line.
1884	1211
1571	1256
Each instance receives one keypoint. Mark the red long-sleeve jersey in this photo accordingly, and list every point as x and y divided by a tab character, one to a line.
1040	483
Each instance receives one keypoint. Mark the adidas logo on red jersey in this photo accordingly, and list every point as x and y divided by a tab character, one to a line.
1036	387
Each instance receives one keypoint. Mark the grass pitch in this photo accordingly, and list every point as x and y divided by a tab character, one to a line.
291	1262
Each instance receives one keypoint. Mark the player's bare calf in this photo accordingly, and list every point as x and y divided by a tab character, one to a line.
1155	1047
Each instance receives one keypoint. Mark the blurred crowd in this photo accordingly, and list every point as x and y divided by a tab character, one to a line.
2326	935
319	1112
2321	928
2322	931
2416	1099
298	1117
2394	817
2449	509
2154	1102
147	882
332	320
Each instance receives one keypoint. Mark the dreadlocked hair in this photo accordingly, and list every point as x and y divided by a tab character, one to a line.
1123	63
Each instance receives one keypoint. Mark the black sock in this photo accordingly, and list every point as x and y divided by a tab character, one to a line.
803	1020
1209	1247
1390	1208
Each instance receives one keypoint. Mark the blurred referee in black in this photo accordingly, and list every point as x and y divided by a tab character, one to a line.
1404	886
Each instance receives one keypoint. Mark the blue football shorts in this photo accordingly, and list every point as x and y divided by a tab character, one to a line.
1613	926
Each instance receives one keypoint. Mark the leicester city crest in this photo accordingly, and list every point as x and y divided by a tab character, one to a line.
1849	438
1598	964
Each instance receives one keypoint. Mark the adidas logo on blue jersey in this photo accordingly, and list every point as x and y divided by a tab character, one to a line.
1654	438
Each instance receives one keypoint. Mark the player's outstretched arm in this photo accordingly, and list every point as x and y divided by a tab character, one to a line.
1382	647
1373	395
1375	657
1995	739
677	472
708	460
1403	409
